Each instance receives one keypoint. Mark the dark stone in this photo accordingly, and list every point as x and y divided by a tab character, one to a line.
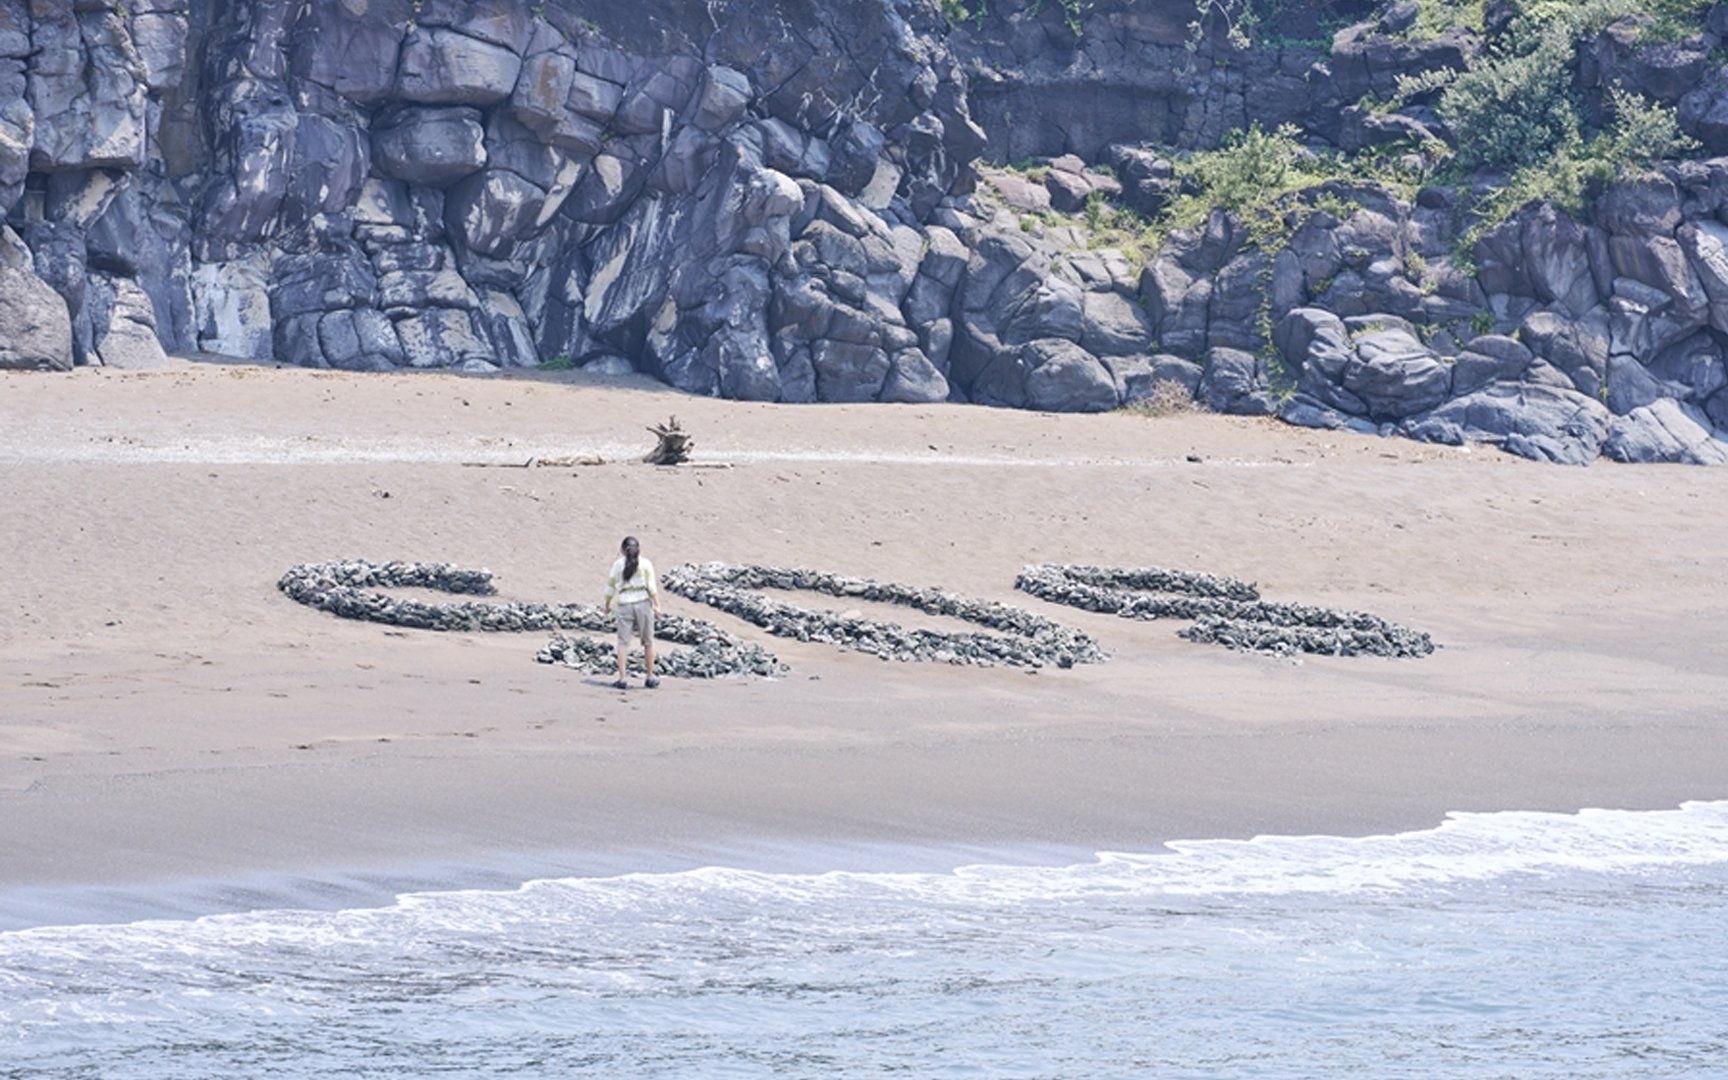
443	67
1396	376
1695	366
494	208
1579	348
35	330
1233	382
329	163
1063	377
1489	359
913	378
430	147
1665	431
1114	325
351	48
1703	112
307	284
848	372
1630	385
1643	207
1543	423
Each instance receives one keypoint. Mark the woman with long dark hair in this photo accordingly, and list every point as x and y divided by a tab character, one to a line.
633	587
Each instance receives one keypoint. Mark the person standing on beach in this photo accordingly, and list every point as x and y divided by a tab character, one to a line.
633	587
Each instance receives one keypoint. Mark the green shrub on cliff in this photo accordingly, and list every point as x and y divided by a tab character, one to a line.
1248	172
1641	134
1515	108
1073	12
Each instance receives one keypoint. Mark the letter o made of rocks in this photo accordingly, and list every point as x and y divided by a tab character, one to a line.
1011	636
1225	611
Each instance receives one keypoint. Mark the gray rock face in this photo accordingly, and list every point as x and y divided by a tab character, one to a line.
86	89
1396	375
1378	371
433	147
129	341
789	201
1063	377
441	66
1542	423
1665	431
1233	382
35	332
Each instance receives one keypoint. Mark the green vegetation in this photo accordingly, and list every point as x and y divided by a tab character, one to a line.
1073	12
1031	170
958	11
1517	111
1515	118
1515	108
1435	17
1249	174
1642	133
559	363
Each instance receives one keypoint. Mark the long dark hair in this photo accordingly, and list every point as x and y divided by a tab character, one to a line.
631	550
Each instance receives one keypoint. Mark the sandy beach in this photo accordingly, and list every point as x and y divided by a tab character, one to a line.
167	716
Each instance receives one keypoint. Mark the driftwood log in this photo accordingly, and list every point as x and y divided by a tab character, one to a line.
674	446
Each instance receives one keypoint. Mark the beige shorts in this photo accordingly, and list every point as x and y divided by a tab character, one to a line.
638	619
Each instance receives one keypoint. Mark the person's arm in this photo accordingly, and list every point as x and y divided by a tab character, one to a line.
611	590
653	581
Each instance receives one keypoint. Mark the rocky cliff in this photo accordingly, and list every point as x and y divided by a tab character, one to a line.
802	200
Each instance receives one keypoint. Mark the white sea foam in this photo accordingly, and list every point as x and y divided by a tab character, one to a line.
1466	848
1563	944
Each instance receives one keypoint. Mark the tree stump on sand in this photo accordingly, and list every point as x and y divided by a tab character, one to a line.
674	446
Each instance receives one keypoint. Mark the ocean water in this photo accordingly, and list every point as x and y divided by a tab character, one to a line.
1497	945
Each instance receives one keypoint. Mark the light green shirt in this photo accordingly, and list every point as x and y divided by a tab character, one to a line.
644	586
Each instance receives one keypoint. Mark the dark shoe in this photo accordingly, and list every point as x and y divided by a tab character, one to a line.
651	683
620	684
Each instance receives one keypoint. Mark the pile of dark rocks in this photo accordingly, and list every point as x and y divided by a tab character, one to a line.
711	652
348	588
1023	639
1227	611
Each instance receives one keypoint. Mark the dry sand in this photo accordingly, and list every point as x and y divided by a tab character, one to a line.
166	716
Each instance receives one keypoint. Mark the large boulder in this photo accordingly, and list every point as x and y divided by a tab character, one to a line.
1395	375
351	48
1665	431
913	379
431	147
1372	366
1234	382
1703	112
1063	377
35	329
1543	423
1488	359
129	341
1316	347
440	66
87	89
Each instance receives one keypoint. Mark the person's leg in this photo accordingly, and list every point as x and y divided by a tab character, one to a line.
645	627
623	646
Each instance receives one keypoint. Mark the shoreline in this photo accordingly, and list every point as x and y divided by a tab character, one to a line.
166	715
